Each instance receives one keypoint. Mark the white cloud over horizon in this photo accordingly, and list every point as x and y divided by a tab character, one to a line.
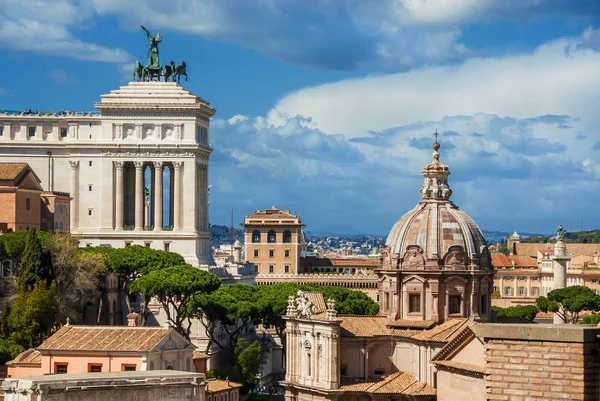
517	132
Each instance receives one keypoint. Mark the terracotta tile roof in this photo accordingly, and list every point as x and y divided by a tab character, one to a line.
444	332
200	355
28	357
105	338
10	171
318	301
462	366
396	383
525	249
216	385
500	260
402	323
364	326
452	347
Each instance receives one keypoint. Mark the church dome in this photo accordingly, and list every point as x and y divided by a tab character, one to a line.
436	234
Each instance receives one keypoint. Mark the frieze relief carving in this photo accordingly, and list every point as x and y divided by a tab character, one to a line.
128	131
119	131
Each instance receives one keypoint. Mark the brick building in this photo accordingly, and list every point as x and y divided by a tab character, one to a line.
24	204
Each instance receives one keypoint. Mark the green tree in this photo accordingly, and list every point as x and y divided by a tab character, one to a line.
594	318
174	287
36	264
77	275
131	263
569	302
32	315
248	360
527	312
8	351
12	244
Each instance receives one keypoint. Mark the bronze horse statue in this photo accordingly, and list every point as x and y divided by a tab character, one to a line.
179	71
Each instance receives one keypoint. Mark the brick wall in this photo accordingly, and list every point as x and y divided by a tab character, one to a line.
538	369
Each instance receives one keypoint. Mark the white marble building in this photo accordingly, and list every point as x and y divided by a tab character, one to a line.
145	129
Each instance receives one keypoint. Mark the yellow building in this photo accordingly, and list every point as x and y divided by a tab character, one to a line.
274	241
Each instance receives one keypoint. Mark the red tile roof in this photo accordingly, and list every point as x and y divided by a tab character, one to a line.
444	332
105	338
217	385
396	383
500	260
28	357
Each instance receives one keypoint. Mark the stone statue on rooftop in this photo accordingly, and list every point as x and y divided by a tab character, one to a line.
153	57
560	232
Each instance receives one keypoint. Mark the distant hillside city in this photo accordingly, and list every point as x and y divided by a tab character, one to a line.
362	244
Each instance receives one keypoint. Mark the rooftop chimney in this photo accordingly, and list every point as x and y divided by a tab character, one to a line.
133	319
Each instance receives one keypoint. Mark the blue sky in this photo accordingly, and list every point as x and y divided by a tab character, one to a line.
327	107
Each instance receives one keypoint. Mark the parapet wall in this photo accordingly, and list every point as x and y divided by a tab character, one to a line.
541	362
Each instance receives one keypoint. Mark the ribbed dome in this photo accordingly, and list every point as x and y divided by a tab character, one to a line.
436	234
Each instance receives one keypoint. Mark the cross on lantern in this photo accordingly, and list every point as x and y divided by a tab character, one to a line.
436	135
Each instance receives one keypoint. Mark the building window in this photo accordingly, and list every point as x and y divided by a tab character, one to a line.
271	268
63	132
60	368
271	253
256	268
129	368
127	243
90	163
89	212
379	372
90	187
256	253
521	278
28	204
167	246
271	236
377	297
496	289
287	253
287	268
522	291
594	281
535	291
454	305
484	304
414	303
92	368
255	236
1	130
31	131
508	291
147	244
287	236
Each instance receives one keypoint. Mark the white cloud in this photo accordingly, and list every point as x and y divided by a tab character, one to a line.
61	76
545	82
43	27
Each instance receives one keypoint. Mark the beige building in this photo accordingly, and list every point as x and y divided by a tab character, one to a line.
274	241
149	143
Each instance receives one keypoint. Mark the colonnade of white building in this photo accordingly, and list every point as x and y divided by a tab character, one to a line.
136	210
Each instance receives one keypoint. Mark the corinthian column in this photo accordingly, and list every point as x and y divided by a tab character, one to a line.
119	195
75	194
139	195
158	196
177	196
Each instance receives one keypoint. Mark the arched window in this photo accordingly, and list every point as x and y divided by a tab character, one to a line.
256	236
287	236
271	236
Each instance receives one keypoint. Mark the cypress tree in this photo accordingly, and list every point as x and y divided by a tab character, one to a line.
35	266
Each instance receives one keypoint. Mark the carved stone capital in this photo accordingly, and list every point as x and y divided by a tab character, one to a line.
158	165
138	165
119	165
74	164
177	165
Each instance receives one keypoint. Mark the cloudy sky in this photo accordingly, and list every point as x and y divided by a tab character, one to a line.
327	107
